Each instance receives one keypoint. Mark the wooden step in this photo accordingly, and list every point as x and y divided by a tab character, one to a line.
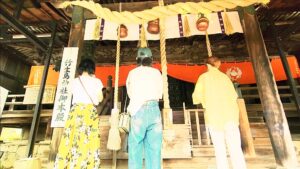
24	116
203	151
258	107
14	103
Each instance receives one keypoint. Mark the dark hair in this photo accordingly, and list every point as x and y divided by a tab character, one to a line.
212	60
147	61
86	65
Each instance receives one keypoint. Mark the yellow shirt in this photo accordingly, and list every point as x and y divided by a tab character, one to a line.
215	91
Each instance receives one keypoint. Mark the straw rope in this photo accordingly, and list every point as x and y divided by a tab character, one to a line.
114	139
227	24
186	30
139	17
163	56
96	34
208	46
117	69
143	39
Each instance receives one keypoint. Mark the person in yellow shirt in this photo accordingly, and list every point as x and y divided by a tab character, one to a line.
215	91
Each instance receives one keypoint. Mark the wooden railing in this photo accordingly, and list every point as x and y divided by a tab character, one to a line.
106	105
13	101
253	104
16	112
195	118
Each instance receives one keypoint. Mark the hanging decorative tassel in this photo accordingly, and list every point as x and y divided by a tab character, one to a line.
143	40
96	35
114	138
186	28
208	46
227	24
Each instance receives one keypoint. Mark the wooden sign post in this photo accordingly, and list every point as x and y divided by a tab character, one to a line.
75	40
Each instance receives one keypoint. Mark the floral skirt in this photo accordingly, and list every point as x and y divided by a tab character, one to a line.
80	144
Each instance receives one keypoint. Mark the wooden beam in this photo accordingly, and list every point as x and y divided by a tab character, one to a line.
21	28
58	12
38	24
18	10
43	37
274	114
16	14
12	77
37	109
12	53
285	35
285	64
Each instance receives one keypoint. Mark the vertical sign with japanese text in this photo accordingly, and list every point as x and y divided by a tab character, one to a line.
63	93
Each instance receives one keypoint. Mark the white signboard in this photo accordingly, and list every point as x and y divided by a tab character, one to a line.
3	96
32	92
63	93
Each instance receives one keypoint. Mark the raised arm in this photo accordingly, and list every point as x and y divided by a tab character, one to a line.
198	93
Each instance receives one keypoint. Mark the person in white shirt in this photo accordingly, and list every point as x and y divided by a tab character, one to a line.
144	88
80	144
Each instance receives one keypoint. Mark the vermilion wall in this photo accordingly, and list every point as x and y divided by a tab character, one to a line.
189	73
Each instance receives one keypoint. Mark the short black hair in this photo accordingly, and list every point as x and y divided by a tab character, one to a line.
212	60
147	61
86	65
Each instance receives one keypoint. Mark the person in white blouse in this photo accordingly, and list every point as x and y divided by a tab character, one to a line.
144	88
80	144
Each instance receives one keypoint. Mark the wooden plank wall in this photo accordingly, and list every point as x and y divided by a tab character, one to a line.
254	108
14	73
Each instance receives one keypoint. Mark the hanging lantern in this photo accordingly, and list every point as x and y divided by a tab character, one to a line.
202	23
153	26
123	31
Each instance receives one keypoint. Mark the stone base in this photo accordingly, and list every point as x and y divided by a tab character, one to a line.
16	150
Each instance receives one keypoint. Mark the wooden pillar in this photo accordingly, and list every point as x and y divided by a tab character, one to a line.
37	110
88	50
246	135
75	40
274	114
